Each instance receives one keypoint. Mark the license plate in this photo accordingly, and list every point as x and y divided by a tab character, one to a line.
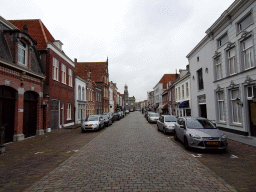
88	127
155	120
212	143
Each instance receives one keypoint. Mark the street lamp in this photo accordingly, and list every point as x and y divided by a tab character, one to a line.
238	102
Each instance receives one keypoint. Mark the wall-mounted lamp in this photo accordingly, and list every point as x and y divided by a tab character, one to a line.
238	102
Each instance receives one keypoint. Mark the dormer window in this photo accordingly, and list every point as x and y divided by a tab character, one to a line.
22	53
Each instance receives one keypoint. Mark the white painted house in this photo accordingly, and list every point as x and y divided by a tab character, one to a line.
80	99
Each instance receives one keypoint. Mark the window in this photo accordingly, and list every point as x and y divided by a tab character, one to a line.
251	91
179	92
69	111
200	79
248	58
83	93
176	93
70	77
223	40
55	71
22	53
183	92
218	68
220	97
79	92
170	96
187	90
231	61
236	109
63	70
245	23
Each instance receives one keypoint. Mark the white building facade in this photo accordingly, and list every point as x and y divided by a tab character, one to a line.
80	99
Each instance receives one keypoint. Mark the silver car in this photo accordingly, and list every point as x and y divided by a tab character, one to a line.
153	117
166	123
200	133
93	123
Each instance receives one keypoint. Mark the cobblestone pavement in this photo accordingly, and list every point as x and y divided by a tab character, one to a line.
131	156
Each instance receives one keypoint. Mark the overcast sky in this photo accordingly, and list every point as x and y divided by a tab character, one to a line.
143	39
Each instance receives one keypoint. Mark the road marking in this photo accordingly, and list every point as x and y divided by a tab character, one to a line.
38	153
198	155
75	150
68	151
233	156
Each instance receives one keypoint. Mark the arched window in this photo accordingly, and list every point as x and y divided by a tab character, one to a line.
22	53
79	92
83	93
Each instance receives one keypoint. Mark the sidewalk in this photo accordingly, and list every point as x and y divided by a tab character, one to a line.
241	138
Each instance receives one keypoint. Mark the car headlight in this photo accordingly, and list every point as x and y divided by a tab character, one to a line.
195	136
224	137
95	125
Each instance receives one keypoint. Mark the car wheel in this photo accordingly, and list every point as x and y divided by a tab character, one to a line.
158	128
165	131
175	136
82	131
186	143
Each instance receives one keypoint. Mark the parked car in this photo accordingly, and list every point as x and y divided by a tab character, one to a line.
121	114
131	110
110	114
93	123
148	114
127	111
199	132
166	123
107	120
153	117
116	117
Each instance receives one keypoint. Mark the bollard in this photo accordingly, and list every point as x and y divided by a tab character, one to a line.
2	134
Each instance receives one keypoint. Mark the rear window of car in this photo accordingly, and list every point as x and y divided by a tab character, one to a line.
170	119
200	124
154	115
93	118
105	116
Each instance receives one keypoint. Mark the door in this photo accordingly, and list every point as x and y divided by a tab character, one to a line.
30	113
7	109
54	114
252	113
203	110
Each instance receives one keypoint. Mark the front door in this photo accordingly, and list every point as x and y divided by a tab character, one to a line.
203	110
30	113
7	109
252	111
54	114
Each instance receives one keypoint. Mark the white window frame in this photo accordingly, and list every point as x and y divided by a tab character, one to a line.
253	90
69	111
23	52
64	74
251	55
218	68
221	105
232	61
55	71
70	79
236	109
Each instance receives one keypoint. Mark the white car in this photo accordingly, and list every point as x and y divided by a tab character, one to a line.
166	123
93	123
153	117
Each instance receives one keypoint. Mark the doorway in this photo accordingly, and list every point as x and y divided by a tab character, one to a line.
203	110
252	115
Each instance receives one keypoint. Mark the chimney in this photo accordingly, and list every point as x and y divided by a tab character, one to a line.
75	61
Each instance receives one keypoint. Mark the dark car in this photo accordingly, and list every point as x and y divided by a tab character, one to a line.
116	117
107	120
199	132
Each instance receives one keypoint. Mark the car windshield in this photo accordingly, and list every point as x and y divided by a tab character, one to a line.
105	116
154	115
93	118
115	114
200	124
170	119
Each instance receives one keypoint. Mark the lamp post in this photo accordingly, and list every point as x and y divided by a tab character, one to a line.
238	102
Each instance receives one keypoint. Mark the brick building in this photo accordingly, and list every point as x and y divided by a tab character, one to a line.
99	74
21	83
59	71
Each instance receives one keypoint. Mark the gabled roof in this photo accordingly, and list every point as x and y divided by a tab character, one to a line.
37	30
98	70
167	78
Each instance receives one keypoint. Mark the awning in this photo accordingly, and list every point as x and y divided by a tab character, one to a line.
184	104
161	107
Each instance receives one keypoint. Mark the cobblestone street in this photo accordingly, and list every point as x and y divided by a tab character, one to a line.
131	155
